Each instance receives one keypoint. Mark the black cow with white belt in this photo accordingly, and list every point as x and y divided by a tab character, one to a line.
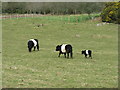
33	43
86	53
65	49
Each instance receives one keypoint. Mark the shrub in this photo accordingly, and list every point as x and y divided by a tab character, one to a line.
111	12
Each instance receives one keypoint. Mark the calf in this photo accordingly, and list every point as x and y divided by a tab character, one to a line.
87	52
33	43
65	49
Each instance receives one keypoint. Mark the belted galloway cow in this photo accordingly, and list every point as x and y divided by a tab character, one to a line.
65	49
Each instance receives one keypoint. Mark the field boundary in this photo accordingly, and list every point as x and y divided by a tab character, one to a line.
67	18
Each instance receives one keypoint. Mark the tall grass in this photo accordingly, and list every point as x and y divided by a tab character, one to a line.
71	18
65	18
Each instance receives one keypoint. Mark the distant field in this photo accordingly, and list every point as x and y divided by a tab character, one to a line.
43	69
67	18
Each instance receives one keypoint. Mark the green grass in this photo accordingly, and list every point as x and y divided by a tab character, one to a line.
70	18
43	69
65	18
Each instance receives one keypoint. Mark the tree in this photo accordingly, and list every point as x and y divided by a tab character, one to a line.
52	7
111	12
13	7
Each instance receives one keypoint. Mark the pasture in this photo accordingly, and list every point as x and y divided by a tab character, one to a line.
43	69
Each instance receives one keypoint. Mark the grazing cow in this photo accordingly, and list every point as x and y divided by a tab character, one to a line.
33	43
87	52
65	49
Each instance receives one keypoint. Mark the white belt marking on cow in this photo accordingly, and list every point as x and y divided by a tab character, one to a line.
63	48
86	51
35	43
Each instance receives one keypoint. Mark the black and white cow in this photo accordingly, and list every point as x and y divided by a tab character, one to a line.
33	43
87	52
65	49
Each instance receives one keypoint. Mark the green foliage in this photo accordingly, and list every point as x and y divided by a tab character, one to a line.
13	7
111	13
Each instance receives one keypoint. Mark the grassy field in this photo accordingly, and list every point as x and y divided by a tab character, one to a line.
43	69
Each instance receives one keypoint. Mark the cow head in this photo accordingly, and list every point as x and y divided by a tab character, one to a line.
30	45
82	52
58	48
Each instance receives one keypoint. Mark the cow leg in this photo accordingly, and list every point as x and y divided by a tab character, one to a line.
34	48
59	54
71	54
38	47
85	55
65	55
29	49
